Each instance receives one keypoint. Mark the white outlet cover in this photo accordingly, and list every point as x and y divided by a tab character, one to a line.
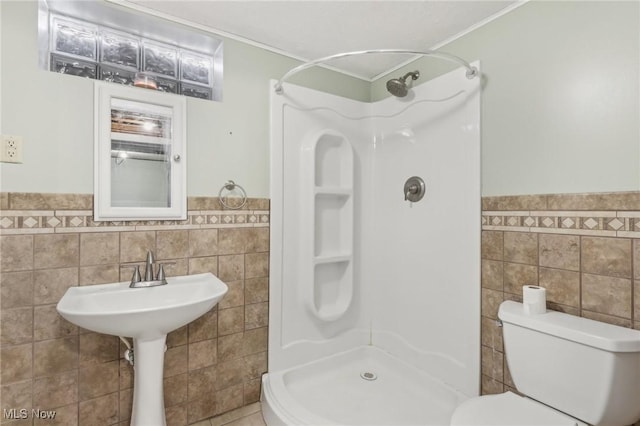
11	149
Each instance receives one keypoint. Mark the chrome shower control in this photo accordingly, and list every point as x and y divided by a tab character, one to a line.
414	189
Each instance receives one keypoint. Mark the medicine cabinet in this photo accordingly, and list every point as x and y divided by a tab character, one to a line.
139	155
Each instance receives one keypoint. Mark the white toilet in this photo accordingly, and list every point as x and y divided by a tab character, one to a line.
572	370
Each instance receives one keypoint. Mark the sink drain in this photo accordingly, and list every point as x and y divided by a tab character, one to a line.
367	375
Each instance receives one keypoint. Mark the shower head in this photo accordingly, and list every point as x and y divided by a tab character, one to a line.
398	86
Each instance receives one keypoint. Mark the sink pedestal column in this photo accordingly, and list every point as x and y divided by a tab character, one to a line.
148	394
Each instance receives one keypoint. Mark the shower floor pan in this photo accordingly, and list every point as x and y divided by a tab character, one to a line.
363	386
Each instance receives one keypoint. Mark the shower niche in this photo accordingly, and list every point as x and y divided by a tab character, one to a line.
328	172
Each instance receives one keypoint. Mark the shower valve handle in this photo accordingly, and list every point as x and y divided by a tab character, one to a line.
414	189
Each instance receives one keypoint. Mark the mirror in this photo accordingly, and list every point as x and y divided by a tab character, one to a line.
140	147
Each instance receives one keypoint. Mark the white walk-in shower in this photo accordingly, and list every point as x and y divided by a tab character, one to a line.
374	300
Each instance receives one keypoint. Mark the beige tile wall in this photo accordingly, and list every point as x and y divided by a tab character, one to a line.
583	248
48	242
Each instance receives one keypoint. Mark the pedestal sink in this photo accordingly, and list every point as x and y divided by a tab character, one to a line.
146	315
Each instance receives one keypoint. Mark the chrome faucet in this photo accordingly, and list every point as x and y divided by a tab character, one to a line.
148	272
149	281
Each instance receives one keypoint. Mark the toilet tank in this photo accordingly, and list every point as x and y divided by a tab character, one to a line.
584	368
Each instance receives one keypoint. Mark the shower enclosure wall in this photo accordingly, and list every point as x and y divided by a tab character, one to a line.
374	300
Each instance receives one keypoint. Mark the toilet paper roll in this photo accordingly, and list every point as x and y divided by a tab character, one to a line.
534	299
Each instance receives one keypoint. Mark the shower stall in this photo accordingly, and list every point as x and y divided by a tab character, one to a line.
374	298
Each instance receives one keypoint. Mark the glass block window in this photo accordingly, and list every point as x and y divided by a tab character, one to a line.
92	51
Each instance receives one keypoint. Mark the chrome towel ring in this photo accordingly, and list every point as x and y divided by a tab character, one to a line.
231	186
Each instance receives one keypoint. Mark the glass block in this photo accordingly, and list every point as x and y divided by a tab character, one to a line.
194	91
166	85
119	49
160	60
196	68
117	75
73	66
74	38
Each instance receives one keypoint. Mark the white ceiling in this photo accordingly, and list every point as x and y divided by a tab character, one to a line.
314	29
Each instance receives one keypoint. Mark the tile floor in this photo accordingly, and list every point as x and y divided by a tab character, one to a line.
250	415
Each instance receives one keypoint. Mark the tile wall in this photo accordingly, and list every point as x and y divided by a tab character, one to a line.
583	248
50	242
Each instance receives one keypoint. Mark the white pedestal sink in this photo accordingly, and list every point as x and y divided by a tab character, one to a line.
146	315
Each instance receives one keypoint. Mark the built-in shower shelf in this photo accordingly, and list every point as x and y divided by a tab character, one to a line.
332	313
319	260
333	190
328	195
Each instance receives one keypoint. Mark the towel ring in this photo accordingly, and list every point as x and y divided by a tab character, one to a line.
231	186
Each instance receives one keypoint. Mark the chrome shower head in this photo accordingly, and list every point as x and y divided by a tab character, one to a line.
398	86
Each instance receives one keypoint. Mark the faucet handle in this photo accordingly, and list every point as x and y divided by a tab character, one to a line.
136	278
161	275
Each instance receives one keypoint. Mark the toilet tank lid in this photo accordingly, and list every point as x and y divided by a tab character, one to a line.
597	334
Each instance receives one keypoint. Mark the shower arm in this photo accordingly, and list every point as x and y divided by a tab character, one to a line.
471	71
413	74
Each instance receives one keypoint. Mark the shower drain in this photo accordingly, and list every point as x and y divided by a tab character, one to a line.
367	375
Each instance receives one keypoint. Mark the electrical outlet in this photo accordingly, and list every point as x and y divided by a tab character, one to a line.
11	149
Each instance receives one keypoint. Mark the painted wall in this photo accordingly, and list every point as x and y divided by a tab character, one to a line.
560	105
54	114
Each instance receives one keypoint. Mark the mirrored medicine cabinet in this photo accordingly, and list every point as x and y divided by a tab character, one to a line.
139	154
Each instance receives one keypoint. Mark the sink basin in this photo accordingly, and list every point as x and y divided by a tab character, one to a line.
141	312
146	314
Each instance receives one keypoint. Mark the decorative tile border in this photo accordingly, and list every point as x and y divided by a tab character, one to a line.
595	223
31	222
42	221
611	214
581	221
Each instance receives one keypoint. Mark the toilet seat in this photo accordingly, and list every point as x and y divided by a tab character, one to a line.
508	409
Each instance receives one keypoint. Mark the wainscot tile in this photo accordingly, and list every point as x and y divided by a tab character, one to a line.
560	251
517	275
56	250
16	253
562	287
520	247
606	256
99	248
15	363
607	295
492	274
99	411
